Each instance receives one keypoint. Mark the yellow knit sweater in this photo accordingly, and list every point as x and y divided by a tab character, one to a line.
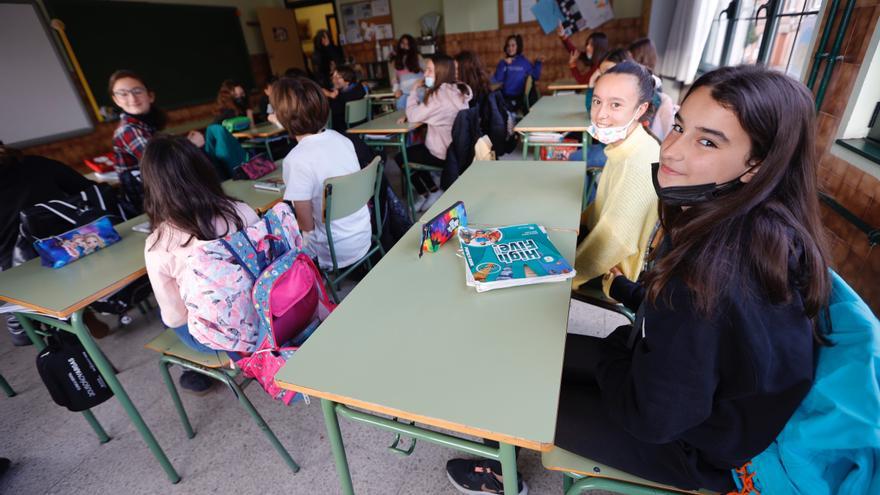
622	217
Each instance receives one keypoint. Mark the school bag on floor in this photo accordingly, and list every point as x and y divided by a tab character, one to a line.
69	374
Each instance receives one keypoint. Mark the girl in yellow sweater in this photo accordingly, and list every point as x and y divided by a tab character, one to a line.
622	217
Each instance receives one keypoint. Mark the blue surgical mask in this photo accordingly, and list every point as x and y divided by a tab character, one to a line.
429	81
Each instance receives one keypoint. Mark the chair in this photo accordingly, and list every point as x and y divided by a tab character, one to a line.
217	366
357	111
596	297
343	196
528	89
6	387
583	474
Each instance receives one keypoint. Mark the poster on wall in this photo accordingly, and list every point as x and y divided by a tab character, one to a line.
380	7
526	9
575	15
511	11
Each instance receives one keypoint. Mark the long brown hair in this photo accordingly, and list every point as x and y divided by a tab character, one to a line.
600	48
181	188
444	72
408	59
756	230
644	52
226	98
470	72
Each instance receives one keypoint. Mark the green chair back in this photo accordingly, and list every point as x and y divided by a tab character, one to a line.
529	83
356	111
347	194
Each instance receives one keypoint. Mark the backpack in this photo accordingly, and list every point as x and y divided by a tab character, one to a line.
69	374
216	283
831	443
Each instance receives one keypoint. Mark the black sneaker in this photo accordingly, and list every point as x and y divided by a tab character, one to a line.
472	476
195	383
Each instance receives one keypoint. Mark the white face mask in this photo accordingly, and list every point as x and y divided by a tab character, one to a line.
429	81
609	135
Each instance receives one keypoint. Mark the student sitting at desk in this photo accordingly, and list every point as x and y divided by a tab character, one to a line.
407	66
187	208
232	102
723	350
26	180
595	49
140	119
345	89
514	69
319	154
621	219
444	98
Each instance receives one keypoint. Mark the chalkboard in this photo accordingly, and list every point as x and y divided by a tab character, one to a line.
183	51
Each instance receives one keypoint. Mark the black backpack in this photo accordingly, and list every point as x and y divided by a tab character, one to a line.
58	216
71	377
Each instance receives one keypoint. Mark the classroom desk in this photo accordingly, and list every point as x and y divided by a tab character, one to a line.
262	136
259	199
563	113
414	342
566	84
63	294
395	137
185	127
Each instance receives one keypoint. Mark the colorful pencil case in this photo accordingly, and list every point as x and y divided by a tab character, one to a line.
63	249
443	227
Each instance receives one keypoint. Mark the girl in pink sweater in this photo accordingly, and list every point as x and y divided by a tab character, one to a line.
444	98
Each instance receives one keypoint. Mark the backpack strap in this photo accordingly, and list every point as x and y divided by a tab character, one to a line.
58	213
244	252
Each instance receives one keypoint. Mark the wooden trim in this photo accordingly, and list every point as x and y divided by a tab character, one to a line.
566	86
82	303
573	128
439	423
387	130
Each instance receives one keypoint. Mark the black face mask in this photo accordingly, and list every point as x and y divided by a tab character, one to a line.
693	195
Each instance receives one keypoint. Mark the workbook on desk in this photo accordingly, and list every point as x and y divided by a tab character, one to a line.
270	184
498	257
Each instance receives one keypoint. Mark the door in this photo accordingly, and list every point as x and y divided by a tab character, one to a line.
281	39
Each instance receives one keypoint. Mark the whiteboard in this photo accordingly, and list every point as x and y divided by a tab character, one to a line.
38	100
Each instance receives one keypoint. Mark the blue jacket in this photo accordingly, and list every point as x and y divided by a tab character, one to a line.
831	444
513	75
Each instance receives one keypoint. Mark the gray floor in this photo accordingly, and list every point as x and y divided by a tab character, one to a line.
55	451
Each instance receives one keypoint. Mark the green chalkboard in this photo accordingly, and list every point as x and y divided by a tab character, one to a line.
183	51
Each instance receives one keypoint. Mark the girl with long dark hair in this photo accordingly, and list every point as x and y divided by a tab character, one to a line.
325	58
406	68
187	207
444	98
595	48
722	350
232	101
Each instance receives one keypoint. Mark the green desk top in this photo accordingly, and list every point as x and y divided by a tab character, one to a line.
562	113
566	83
385	124
259	199
412	340
60	292
185	127
267	129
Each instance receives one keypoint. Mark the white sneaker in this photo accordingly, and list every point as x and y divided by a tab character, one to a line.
431	199
419	201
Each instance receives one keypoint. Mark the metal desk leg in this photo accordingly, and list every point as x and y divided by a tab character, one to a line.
40	345
404	167
7	389
107	372
335	436
585	145
508	467
525	146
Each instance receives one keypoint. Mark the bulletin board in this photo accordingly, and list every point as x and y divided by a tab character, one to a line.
512	12
374	14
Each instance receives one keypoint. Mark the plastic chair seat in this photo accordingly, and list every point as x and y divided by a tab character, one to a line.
559	459
167	343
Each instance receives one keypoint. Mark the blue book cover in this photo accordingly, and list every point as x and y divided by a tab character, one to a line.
510	256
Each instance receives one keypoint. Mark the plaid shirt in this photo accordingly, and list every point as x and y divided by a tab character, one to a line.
129	142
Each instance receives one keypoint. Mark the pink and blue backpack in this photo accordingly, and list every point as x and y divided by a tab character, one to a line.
256	292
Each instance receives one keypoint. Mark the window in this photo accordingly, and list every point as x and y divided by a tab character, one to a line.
777	33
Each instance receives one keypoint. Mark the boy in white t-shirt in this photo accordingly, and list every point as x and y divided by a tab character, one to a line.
302	109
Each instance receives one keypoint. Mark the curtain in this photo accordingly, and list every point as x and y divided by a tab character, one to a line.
691	23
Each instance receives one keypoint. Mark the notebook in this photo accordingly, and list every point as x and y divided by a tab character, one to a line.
510	256
271	184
